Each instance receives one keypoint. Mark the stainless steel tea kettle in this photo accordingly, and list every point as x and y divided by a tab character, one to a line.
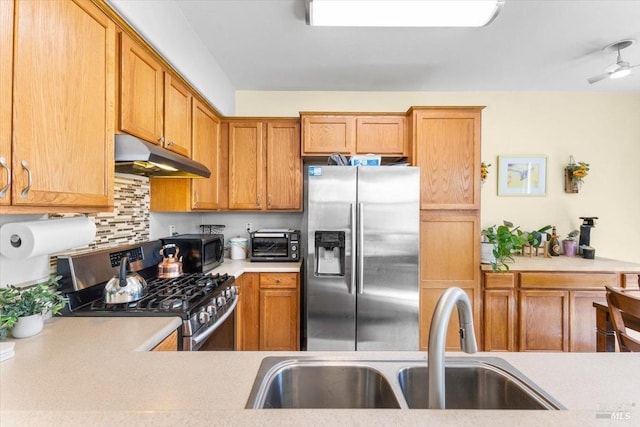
127	287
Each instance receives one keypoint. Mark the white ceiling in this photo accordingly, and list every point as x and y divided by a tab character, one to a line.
533	45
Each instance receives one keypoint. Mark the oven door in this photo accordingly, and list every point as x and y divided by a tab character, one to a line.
269	247
220	336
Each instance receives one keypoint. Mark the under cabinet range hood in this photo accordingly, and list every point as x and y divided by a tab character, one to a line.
138	157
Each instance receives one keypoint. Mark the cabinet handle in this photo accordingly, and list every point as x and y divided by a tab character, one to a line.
5	165
195	197
170	143
161	139
25	191
269	200
259	199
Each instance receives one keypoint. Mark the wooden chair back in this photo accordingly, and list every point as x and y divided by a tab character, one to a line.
625	314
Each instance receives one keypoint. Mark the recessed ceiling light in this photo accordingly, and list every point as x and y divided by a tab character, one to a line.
402	13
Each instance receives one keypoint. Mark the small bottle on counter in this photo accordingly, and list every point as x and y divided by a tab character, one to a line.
554	243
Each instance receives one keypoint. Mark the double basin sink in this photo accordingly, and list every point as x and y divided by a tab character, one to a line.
470	383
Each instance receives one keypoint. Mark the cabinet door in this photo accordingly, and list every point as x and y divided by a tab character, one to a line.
141	96
284	176
247	312
177	116
6	76
206	150
279	320
544	320
582	314
499	320
246	165
322	135
170	343
381	135
428	300
447	149
449	256
63	105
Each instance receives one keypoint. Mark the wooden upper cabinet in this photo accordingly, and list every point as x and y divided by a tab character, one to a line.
177	116
207	149
246	165
141	92
184	195
284	166
384	135
63	105
354	133
6	79
322	135
265	167
446	146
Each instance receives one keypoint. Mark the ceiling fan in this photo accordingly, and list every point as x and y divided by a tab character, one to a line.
620	68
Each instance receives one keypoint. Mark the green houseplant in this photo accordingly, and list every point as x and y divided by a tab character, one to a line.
18	304
505	239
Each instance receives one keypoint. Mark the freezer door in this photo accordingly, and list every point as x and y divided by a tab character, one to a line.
388	246
330	197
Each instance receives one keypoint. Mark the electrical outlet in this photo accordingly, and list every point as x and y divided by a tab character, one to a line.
249	226
172	230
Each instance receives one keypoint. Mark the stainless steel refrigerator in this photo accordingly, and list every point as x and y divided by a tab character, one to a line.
361	228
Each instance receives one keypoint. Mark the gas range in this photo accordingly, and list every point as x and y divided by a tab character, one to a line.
203	301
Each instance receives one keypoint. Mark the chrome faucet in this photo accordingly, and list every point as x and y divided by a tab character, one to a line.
437	338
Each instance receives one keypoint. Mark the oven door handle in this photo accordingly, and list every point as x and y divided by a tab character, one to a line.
202	336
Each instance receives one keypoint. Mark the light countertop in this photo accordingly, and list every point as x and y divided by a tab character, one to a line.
564	263
236	267
91	371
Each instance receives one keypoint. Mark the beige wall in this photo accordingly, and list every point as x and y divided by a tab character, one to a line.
601	129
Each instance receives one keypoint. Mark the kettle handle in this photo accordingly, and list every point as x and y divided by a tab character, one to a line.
124	266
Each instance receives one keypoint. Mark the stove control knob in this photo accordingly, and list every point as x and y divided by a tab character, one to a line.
228	293
221	301
211	310
203	317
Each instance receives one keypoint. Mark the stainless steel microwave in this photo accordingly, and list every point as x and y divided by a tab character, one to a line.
200	253
274	245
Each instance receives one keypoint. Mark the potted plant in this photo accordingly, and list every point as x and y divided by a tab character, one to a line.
22	309
570	244
505	238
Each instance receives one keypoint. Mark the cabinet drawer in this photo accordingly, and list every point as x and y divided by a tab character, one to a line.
279	280
499	280
568	280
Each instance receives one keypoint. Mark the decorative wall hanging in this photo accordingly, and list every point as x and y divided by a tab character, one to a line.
484	171
522	175
574	173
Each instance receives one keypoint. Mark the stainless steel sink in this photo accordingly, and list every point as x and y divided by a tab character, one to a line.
475	386
324	385
471	383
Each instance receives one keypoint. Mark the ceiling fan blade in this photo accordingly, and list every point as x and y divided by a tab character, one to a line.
596	79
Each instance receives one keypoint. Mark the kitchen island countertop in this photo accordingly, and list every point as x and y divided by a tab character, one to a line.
82	371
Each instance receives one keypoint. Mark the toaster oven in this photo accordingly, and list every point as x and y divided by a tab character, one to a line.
274	245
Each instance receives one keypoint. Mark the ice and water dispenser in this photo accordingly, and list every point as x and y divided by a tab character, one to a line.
330	253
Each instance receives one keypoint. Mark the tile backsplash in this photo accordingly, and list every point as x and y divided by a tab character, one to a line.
127	224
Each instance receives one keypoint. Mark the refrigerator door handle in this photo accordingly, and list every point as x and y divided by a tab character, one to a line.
352	284
360	248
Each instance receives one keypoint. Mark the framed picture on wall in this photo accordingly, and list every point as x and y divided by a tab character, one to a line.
522	175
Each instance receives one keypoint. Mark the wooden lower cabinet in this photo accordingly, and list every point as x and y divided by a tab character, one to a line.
268	312
449	256
542	311
170	343
544	320
499	320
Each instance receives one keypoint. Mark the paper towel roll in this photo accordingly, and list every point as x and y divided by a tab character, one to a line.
20	240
